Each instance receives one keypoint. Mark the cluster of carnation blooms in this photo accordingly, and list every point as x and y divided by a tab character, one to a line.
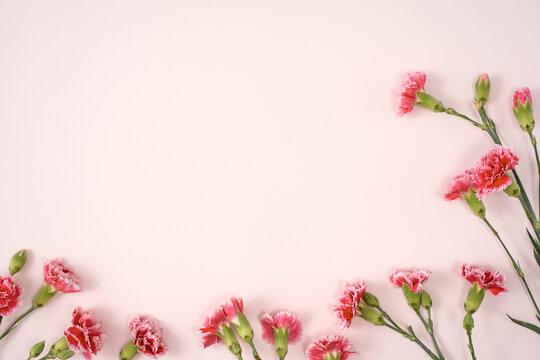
85	334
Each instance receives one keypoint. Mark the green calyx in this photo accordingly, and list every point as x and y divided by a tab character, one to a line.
370	299
281	341
371	314
425	300
243	328
230	340
129	351
475	296
413	298
43	296
476	206
513	190
429	102
524	116
481	90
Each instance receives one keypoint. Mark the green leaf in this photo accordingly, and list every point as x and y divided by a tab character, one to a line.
527	325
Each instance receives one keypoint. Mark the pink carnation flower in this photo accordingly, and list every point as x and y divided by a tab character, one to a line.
10	295
147	335
485	278
348	303
490	174
233	308
61	277
522	96
85	334
412	83
284	320
412	278
460	184
333	347
212	324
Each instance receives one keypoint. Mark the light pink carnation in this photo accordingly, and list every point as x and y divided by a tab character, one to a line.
284	320
147	335
412	278
10	295
347	307
490	173
60	276
460	184
329	347
492	280
412	83
522	96
212	324
85	334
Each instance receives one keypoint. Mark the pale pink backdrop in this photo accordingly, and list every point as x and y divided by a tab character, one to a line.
180	152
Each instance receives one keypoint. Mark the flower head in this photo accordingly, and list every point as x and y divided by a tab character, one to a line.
233	308
283	320
460	185
61	277
10	295
332	347
412	83
492	280
412	278
490	173
85	334
348	302
521	97
147	335
212	325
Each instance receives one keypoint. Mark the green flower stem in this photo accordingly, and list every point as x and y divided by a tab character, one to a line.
515	264
239	357
533	143
254	351
16	321
471	347
409	335
429	329
451	111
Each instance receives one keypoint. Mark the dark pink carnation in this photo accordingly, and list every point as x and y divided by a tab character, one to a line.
412	83
412	278
329	347
10	295
284	320
490	173
147	335
485	278
85	334
460	184
347	307
522	96
233	308
212	324
61	277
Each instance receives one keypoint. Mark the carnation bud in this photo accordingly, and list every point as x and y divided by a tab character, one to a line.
474	299
370	299
468	322
37	349
281	342
65	354
425	300
243	328
229	338
429	102
413	299
128	351
477	206
513	190
43	296
371	315
523	109
17	262
481	88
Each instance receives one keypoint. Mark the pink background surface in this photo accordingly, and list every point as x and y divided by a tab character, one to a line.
180	152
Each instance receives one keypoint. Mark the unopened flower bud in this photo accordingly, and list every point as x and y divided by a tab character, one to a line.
523	109
371	315
513	190
429	102
370	299
481	93
43	296
17	262
474	298
243	328
477	206
413	298
425	300
468	322
229	338
37	349
128	351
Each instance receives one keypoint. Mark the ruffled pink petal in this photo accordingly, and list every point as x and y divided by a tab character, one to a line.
348	303
10	295
522	96
412	278
212	324
284	320
412	83
460	184
335	345
85	335
492	280
61	277
490	173
147	335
